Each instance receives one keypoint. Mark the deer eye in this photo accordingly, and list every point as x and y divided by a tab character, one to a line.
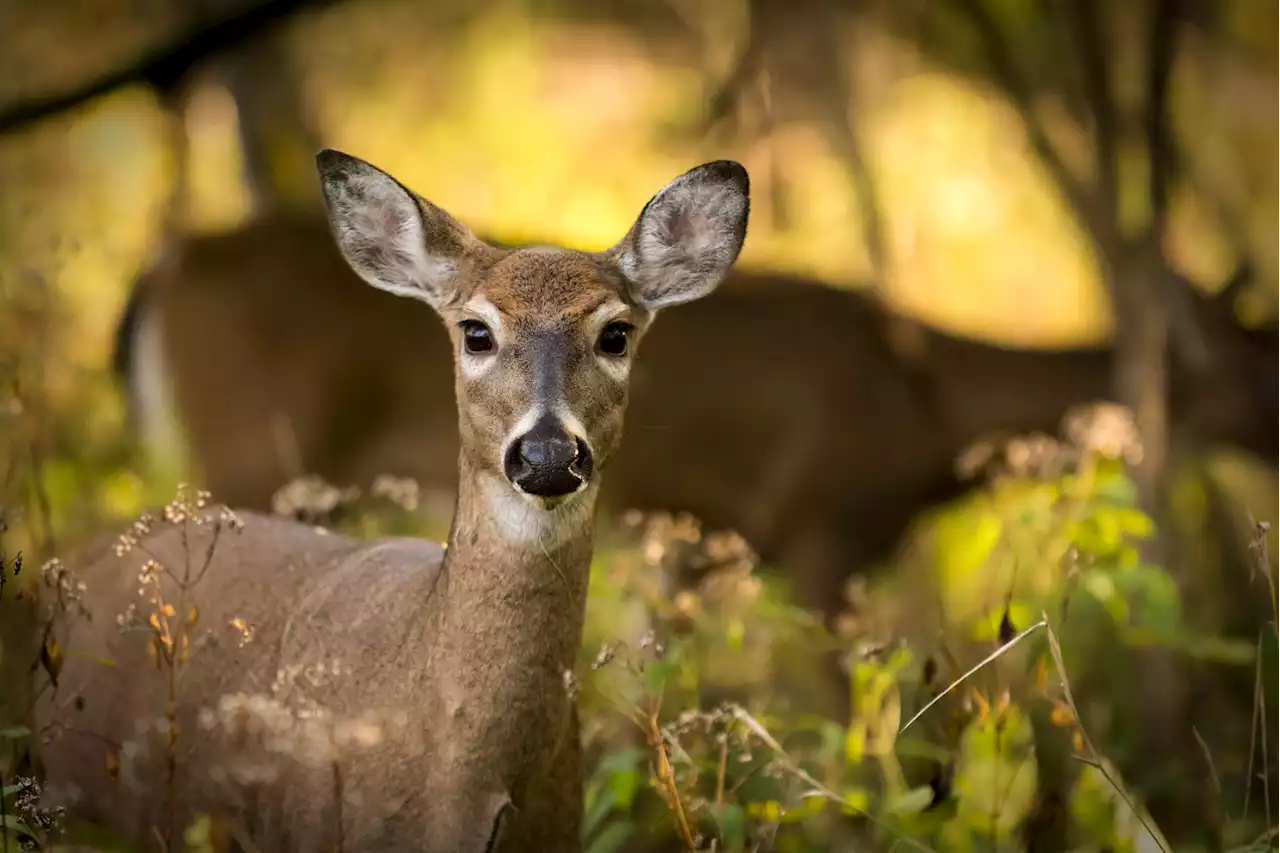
613	339
476	337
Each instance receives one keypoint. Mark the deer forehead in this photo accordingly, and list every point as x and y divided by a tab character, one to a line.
544	287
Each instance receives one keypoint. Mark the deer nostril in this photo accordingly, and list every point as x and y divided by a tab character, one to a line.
551	452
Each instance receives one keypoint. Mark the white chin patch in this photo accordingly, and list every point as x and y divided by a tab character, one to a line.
526	519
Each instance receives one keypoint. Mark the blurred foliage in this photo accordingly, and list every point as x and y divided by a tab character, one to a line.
994	728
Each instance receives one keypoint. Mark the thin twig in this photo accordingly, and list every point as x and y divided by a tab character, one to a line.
1262	727
1253	728
1208	759
720	772
208	556
789	765
1043	623
666	774
1094	758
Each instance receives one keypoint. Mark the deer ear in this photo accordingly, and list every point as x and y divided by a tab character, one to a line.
687	236
393	239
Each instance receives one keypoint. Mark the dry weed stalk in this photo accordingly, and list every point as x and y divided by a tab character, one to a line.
170	618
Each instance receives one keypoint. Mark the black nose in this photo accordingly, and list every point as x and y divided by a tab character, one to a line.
547	461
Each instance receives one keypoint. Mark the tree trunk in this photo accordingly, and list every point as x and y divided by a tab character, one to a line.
277	138
1141	305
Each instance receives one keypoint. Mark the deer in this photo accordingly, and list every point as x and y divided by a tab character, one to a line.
814	437
471	640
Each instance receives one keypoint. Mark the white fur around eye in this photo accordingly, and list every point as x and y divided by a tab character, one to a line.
477	365
617	368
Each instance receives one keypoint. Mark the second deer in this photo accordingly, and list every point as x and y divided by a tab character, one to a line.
807	433
458	656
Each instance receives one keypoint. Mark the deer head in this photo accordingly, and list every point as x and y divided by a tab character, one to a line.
543	338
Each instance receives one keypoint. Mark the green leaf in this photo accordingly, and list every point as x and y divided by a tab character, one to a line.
597	813
733	827
12	822
1133	522
856	801
658	673
769	811
15	732
988	627
855	743
1156	603
614	783
625	785
735	633
1102	586
993	794
614	836
833	735
621	770
996	776
809	807
955	837
972	547
1113	486
899	660
912	802
1224	650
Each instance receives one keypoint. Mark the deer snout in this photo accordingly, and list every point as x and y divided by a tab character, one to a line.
548	461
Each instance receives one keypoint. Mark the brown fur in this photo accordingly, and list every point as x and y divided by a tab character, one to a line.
459	655
773	406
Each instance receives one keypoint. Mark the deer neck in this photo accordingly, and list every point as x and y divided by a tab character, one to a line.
508	558
512	603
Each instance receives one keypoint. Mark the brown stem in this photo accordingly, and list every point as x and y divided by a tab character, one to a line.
1164	30
666	774
337	803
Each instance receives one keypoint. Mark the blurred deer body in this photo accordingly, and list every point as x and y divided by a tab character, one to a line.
396	695
809	435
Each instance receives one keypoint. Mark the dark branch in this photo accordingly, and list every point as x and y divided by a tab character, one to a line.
1164	29
1189	335
1091	44
1008	77
843	110
164	66
729	95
